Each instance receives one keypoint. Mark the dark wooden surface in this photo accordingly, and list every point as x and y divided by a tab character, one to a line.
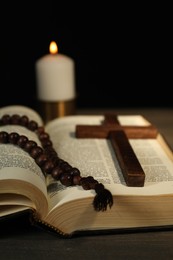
20	240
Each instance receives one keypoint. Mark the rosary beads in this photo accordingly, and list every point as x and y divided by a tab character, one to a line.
48	160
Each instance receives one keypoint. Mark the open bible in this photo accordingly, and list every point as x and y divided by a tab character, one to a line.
69	210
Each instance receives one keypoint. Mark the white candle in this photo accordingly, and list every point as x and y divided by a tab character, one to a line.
55	76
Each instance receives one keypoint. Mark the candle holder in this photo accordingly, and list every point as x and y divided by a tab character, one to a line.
51	110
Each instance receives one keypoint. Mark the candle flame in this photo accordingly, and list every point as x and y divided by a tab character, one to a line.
53	48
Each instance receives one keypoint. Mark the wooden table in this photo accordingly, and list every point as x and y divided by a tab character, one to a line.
20	240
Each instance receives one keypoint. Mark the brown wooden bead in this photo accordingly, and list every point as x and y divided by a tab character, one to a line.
32	125
50	152
48	166
13	138
36	151
43	136
3	137
29	145
85	184
74	171
66	179
60	162
40	130
93	185
56	173
15	119
22	141
24	121
92	182
46	143
6	119
41	159
77	179
65	166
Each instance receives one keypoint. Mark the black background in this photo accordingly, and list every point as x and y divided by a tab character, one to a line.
122	53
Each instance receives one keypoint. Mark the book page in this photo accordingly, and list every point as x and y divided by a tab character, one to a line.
12	209
96	157
12	203
19	174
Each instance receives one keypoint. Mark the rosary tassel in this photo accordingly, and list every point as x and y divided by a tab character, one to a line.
103	198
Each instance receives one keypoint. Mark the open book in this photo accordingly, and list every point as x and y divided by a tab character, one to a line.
69	210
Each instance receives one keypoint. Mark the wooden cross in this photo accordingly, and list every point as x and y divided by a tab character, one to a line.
118	135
